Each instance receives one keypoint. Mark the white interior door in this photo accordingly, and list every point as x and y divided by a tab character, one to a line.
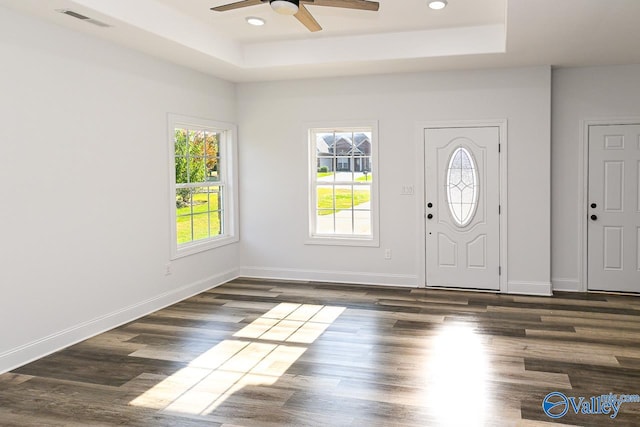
462	190
613	230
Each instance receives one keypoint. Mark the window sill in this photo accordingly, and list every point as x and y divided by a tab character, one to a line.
195	248
343	241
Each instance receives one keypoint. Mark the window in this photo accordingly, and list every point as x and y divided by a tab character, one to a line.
343	185
202	191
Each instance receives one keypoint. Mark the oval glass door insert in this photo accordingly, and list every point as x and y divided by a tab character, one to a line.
462	186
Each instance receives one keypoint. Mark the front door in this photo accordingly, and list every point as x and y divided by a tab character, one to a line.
613	230
462	190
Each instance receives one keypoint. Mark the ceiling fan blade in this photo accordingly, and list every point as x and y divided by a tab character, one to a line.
347	4
307	20
238	5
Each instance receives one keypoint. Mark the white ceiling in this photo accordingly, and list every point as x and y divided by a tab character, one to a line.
404	36
394	15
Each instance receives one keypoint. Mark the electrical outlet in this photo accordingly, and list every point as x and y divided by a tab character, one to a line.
387	254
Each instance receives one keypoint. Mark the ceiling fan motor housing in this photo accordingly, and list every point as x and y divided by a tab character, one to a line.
285	7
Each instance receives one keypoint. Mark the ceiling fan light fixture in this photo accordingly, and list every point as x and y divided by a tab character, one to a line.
285	7
437	4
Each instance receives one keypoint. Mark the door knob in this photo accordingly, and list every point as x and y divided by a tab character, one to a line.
429	205
594	217
429	216
593	206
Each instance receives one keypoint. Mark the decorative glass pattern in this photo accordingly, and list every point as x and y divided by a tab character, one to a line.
462	186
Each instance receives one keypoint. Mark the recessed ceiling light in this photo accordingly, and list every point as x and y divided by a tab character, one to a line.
252	20
437	4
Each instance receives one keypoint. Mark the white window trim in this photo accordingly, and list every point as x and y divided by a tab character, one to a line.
335	239
229	149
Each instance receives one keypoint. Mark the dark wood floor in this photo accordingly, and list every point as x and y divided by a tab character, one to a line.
269	353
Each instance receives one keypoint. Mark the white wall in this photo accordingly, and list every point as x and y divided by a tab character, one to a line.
273	165
581	94
84	219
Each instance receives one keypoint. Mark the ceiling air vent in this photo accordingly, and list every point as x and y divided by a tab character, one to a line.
83	18
98	23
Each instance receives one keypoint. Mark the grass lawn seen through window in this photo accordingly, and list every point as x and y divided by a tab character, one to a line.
203	222
345	199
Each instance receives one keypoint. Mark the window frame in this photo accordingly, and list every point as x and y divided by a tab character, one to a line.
228	163
313	238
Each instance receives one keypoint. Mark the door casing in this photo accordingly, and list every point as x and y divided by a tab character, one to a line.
421	196
583	178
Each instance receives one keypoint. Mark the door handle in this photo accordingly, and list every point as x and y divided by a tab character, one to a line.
429	216
429	205
593	206
594	217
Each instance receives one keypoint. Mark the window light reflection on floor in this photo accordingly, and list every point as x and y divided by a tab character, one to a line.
457	371
263	351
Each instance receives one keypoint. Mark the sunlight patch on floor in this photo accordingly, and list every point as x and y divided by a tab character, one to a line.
259	355
457	377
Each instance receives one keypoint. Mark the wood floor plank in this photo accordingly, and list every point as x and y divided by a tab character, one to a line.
273	353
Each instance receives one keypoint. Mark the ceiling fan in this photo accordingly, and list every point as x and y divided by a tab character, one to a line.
298	9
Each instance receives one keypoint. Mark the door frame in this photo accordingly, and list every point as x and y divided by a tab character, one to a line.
501	124
583	191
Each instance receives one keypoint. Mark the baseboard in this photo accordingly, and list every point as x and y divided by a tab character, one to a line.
350	277
567	285
26	353
529	288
